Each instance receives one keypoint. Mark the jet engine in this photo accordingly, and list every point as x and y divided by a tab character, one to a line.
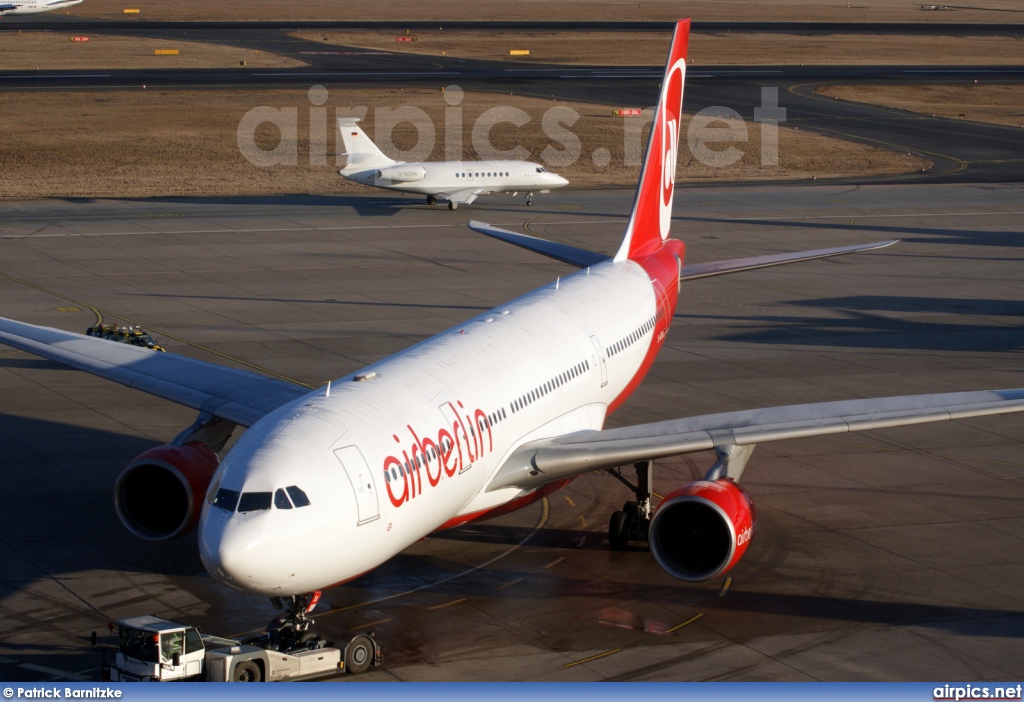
702	529
159	494
402	174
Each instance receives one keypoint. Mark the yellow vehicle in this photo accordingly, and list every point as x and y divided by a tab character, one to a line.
132	335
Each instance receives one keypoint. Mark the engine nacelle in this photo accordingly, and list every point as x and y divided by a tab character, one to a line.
702	529
402	174
159	494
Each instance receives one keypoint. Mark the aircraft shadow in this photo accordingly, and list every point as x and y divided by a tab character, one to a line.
864	322
924	235
411	572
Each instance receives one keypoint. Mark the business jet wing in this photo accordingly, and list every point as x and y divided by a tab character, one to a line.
238	396
539	462
8	6
462	197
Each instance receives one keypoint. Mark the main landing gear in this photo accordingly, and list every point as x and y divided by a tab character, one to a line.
453	205
431	200
632	522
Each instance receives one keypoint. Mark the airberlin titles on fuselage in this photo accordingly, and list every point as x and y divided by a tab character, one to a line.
453	452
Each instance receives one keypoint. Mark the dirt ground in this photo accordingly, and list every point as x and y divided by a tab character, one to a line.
153	143
997	104
984	11
49	50
645	48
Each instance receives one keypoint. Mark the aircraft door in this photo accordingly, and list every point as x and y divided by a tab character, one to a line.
361	479
600	360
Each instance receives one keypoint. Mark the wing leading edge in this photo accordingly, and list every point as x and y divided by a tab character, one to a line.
540	462
235	395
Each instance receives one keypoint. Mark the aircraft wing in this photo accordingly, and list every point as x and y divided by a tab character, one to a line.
238	396
540	462
462	197
8	6
581	258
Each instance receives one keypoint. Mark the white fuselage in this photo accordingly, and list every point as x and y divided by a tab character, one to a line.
29	7
446	177
458	398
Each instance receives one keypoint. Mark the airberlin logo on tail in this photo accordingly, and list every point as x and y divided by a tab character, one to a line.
425	458
672	103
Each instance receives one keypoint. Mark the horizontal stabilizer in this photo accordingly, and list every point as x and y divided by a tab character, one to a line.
581	258
735	265
540	462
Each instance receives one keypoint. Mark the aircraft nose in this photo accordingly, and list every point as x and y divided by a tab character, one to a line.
560	181
231	552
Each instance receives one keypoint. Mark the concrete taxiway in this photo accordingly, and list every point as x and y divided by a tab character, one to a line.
891	555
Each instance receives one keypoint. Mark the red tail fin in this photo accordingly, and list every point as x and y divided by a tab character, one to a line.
652	210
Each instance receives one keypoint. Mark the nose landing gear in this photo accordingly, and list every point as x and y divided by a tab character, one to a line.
293	630
529	199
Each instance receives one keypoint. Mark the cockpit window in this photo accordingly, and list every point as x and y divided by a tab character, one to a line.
281	500
226	499
298	496
541	169
254	501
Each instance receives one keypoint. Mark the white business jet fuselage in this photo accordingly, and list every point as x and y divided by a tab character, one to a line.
458	182
30	7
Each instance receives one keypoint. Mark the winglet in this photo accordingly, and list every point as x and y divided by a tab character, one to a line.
652	210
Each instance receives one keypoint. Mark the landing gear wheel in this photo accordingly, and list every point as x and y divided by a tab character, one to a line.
618	531
529	203
431	200
358	654
310	640
453	205
247	671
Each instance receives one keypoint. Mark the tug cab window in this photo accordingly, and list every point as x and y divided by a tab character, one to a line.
170	643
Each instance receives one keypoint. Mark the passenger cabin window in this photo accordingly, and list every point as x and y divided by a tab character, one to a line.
299	498
226	499
254	501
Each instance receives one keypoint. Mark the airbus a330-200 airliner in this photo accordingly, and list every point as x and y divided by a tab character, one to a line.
327	485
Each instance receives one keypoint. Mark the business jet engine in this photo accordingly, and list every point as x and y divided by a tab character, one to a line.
402	174
159	494
702	529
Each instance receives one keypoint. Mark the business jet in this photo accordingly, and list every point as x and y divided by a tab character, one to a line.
458	182
482	419
30	7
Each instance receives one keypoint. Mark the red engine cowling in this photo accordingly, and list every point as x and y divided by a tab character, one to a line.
702	529
159	494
